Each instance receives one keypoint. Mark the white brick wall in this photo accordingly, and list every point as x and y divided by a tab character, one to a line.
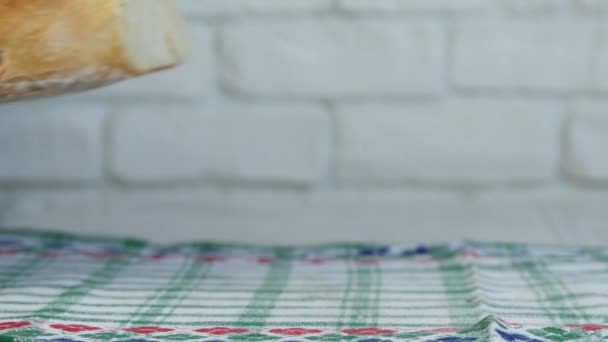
531	6
592	5
533	56
413	5
326	58
586	140
219	7
317	120
273	145
471	142
41	145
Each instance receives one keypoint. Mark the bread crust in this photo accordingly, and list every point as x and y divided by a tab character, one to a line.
50	47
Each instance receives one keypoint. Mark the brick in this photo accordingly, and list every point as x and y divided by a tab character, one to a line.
532	6
332	58
280	218
413	5
600	64
539	56
590	5
587	136
190	81
281	145
223	7
157	144
253	145
465	142
4	203
45	142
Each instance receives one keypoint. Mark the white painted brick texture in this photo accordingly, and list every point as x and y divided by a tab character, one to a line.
462	142
591	5
531	6
413	5
154	145
333	58
525	55
161	144
318	120
223	7
50	145
587	139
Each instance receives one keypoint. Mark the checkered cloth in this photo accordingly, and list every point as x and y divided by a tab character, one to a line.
63	288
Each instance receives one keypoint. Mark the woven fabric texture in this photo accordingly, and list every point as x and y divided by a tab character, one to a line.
63	288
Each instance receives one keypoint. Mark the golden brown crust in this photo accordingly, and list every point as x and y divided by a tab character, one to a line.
54	46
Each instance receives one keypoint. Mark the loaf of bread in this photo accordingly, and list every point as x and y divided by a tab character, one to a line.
50	47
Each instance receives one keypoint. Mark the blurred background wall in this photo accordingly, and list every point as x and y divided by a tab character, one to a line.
301	121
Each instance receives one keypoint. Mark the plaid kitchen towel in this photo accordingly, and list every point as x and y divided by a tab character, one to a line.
63	288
